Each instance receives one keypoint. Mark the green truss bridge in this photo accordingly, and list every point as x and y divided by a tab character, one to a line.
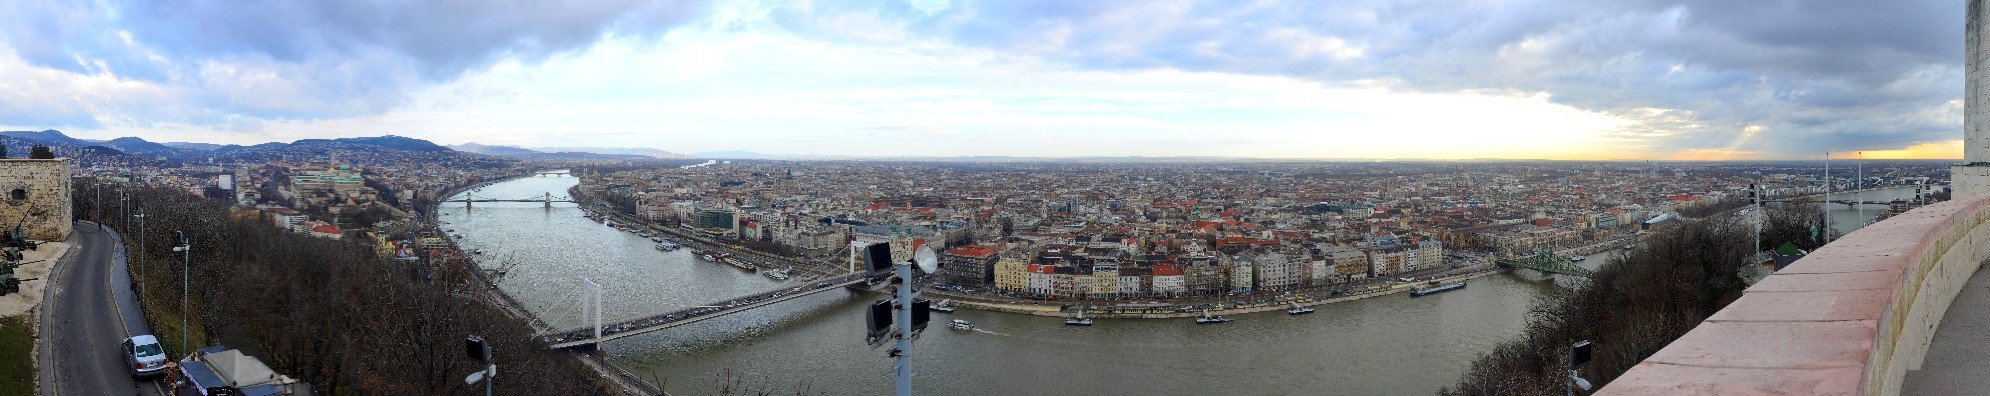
1547	263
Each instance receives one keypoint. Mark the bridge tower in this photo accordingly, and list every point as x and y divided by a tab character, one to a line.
588	287
549	201
468	197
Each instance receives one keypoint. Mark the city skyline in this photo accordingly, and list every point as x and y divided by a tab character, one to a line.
1352	80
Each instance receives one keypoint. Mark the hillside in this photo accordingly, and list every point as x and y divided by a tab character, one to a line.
474	147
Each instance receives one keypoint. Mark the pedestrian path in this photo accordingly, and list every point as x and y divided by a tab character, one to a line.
1959	355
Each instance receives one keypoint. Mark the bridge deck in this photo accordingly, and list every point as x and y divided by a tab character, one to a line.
515	200
574	337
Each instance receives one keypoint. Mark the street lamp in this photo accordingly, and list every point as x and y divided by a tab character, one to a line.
141	254
1578	354
480	351
185	250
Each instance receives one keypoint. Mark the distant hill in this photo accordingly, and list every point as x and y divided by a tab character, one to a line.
18	148
646	152
133	145
195	146
52	137
474	147
401	143
580	156
730	154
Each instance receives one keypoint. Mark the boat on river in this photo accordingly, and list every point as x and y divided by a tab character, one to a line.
1425	291
668	246
738	263
961	325
945	306
1081	320
1206	318
1297	309
776	274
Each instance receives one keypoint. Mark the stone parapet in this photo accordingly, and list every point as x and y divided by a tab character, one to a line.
1850	318
1970	180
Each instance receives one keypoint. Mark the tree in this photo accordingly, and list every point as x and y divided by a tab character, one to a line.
40	152
1798	223
1630	308
332	312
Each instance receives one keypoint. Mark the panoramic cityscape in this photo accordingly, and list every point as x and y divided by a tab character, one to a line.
961	197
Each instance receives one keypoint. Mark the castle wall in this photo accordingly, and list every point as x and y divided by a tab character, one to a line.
35	194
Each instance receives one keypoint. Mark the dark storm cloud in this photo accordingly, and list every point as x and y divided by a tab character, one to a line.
1817	74
326	58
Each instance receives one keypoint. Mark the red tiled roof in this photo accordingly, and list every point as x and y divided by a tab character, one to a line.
976	251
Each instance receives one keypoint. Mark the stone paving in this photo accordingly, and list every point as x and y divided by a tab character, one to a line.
1959	357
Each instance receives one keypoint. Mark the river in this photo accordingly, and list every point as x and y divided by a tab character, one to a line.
1385	345
1846	218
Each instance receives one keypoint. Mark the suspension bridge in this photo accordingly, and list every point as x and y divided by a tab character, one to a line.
587	336
470	198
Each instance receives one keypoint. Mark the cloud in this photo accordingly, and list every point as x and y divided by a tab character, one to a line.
1773	79
1818	75
303	60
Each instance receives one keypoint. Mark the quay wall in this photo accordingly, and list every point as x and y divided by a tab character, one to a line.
1052	308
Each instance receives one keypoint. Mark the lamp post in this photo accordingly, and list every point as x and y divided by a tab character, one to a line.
185	250
1578	354
480	351
141	254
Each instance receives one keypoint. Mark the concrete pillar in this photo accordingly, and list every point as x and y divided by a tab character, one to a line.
1972	178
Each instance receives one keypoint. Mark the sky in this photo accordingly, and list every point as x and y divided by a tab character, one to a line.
1440	79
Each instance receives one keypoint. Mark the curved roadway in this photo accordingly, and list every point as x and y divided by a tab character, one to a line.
84	318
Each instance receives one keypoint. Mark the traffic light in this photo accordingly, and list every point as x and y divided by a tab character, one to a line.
477	349
1579	354
922	312
878	322
878	258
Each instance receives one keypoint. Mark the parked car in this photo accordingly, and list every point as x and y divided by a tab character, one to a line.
144	355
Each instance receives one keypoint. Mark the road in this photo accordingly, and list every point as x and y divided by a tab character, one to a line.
85	317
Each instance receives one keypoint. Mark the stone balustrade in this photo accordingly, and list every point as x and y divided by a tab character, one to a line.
1851	318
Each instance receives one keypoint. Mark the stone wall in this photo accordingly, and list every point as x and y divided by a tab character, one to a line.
1851	318
35	193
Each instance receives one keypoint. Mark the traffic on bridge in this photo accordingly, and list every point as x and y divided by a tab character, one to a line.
586	336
